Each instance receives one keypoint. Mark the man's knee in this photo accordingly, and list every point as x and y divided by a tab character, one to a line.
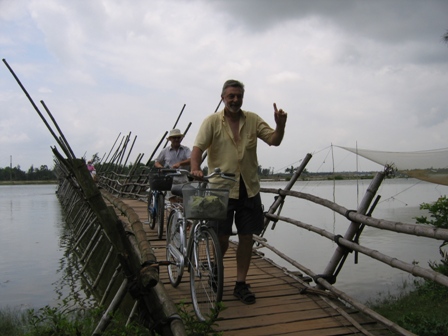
245	239
224	243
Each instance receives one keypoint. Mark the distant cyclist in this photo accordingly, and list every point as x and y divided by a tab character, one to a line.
175	156
92	170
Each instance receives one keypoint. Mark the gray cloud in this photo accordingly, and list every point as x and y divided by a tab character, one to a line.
345	71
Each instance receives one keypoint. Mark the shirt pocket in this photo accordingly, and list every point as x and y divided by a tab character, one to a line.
251	141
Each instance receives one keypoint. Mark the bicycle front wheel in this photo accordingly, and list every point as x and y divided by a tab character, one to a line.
160	214
206	274
174	247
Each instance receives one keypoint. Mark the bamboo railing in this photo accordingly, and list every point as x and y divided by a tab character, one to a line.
97	232
327	278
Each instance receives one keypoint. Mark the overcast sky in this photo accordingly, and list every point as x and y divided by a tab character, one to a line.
367	73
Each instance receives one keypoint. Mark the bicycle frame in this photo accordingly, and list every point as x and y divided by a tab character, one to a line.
156	210
154	194
200	253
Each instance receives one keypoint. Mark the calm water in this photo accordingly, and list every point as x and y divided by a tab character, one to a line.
32	227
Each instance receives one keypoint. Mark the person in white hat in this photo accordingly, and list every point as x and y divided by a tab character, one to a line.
175	156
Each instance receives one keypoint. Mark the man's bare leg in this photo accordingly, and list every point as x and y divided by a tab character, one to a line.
243	256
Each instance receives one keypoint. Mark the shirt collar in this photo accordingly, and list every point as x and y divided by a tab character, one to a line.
243	113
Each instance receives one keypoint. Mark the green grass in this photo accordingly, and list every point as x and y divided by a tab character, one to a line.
421	311
60	321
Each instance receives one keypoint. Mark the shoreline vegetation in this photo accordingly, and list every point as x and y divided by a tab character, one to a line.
28	182
263	178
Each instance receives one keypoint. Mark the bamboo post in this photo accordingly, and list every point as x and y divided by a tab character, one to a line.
103	266
338	255
107	316
155	149
63	139
175	123
109	285
280	199
107	157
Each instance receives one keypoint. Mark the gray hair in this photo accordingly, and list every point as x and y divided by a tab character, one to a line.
232	83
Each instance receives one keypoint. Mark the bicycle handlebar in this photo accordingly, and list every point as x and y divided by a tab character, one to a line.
216	172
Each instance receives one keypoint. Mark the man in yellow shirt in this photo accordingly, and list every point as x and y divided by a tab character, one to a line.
230	138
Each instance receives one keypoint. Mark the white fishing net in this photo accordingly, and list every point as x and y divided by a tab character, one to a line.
427	165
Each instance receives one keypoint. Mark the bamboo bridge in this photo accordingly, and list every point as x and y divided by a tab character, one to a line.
117	255
124	273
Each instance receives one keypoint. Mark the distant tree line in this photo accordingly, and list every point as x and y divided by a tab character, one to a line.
33	174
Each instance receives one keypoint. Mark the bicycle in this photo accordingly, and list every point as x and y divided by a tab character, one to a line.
201	252
159	182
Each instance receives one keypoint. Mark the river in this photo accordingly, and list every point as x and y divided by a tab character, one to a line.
32	237
30	252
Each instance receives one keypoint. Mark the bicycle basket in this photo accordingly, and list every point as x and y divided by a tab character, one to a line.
205	203
161	182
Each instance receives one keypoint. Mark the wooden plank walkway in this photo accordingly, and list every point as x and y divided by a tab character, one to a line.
281	308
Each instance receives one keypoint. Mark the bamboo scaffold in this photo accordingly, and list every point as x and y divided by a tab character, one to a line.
136	260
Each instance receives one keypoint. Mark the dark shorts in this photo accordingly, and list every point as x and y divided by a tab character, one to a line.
247	213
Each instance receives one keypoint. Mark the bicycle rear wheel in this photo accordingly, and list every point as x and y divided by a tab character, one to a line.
174	248
151	211
206	274
160	217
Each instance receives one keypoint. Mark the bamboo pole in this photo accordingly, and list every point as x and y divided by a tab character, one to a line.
175	123
109	285
280	200
130	151
155	149
64	140
406	228
338	257
107	316
393	262
78	240
103	266
107	157
90	253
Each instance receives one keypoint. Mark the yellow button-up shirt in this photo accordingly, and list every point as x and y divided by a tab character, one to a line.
240	158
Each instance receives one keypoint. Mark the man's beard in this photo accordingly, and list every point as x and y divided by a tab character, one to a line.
234	108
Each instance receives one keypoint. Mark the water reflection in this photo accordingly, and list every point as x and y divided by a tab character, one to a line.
71	287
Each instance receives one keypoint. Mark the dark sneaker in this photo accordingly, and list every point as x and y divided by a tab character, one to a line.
243	293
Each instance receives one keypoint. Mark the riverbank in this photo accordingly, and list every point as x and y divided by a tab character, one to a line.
422	311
